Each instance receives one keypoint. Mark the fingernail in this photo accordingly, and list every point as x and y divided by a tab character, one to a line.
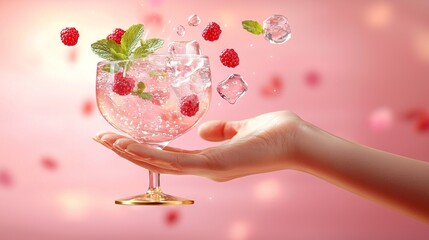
130	153
102	142
117	146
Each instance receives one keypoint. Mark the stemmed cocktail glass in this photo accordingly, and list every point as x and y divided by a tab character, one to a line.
154	100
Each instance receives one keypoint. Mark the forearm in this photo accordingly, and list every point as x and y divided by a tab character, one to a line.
393	180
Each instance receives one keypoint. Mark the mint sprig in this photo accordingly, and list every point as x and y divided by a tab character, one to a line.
141	93
253	27
148	47
128	48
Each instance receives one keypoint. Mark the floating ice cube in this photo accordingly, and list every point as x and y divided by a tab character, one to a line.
194	20
277	29
180	30
232	88
184	47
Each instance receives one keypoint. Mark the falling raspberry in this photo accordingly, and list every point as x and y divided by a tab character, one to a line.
172	217
189	105
69	36
49	163
116	35
229	58
123	85
212	32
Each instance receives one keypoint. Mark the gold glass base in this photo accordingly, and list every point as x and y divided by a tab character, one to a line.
154	197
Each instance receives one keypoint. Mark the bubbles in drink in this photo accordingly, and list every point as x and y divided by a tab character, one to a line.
194	20
277	29
184	47
232	88
180	30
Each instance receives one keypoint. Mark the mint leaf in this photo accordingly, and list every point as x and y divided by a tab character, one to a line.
140	92
141	52
140	87
154	44
161	74
131	38
113	45
145	96
118	55
102	49
148	47
253	27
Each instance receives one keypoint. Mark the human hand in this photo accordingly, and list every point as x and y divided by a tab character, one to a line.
261	144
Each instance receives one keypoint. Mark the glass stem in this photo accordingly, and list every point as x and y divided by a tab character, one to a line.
154	177
154	181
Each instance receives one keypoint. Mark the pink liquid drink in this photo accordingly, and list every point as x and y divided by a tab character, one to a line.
177	92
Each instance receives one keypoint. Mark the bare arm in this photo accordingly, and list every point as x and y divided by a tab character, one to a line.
281	140
393	180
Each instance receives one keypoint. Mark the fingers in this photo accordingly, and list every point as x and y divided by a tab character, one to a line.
219	130
183	161
118	143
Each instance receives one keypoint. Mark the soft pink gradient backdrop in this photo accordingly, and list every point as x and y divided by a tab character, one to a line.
370	65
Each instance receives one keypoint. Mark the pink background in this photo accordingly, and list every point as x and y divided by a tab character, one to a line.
369	62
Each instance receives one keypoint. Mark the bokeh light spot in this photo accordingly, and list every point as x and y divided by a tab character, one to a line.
172	217
273	87
5	178
380	119
312	78
421	45
153	19
239	231
267	190
88	107
49	163
72	55
73	205
379	14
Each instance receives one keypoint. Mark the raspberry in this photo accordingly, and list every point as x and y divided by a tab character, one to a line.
69	36
212	32
116	35
229	58
123	85
189	105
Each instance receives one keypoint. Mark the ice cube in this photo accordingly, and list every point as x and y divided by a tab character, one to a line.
194	20
184	47
180	30
277	29
232	88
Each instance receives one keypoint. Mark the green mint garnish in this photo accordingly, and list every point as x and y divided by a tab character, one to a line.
161	74
141	93
128	49
131	38
253	27
148	47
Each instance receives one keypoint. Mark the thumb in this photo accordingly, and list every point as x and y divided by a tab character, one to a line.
219	130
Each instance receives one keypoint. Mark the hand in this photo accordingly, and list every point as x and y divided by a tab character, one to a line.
261	144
